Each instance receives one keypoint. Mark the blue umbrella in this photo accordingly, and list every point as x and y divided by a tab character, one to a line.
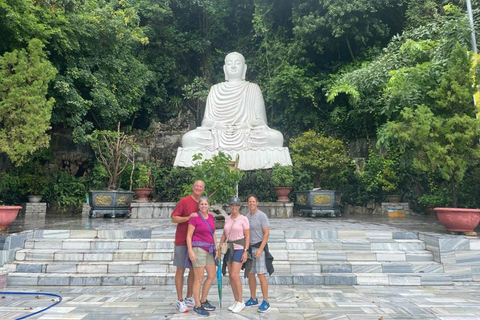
219	280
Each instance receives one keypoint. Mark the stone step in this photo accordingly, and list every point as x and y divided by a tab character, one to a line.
119	279
291	244
324	235
290	267
104	254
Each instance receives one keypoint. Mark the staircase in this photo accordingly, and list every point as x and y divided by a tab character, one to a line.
144	257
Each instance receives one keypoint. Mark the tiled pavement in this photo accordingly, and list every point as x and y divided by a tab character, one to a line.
288	302
458	301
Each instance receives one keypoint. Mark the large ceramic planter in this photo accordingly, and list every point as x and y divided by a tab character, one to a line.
459	220
142	194
113	203
7	215
282	193
318	203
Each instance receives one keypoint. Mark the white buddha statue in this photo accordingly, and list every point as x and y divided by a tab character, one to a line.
235	114
235	122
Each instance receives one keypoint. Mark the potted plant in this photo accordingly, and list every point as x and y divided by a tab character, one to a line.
324	158
36	185
114	150
142	183
430	201
282	178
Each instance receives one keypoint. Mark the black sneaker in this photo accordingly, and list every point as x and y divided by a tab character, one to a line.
208	306
201	312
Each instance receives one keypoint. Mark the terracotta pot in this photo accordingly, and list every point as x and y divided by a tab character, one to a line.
8	215
282	193
459	220
142	194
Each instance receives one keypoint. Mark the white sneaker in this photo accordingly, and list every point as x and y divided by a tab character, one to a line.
232	306
181	306
238	307
190	302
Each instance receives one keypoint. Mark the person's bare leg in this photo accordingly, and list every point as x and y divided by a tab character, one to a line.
197	284
207	284
263	286
235	277
252	284
190	279
233	284
179	282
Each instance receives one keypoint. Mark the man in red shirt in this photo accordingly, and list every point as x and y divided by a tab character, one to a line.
186	209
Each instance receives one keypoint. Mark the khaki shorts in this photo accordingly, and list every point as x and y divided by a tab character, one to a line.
203	258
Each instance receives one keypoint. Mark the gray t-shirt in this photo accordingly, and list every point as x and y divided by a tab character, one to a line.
258	221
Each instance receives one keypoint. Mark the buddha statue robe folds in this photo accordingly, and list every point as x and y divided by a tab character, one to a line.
235	123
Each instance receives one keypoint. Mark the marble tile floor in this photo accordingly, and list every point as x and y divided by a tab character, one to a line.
459	301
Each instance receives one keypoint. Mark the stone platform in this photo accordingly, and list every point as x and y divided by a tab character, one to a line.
155	210
385	256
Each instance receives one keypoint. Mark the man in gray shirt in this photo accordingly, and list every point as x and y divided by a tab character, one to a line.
259	233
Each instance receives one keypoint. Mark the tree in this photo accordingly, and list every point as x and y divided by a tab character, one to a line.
25	110
220	178
443	137
325	157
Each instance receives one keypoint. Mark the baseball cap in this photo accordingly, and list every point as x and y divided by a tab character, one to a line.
235	200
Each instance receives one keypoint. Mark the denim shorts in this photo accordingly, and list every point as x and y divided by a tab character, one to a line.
237	255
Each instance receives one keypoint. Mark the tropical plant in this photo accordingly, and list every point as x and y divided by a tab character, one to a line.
220	179
442	137
258	182
379	175
324	157
282	176
66	191
144	173
115	150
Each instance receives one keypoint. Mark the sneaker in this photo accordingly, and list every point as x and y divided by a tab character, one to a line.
238	307
230	308
201	312
208	306
181	306
250	302
190	302
264	307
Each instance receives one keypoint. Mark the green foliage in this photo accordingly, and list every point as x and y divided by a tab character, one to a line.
98	177
114	150
11	189
379	176
220	179
434	200
443	137
142	178
258	182
170	181
405	74
282	176
66	191
24	109
324	157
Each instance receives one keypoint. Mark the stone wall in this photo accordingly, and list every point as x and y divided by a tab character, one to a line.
154	210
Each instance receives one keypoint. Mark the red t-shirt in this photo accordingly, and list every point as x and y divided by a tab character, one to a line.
185	207
202	232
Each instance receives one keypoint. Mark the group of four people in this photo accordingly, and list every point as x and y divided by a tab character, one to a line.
195	248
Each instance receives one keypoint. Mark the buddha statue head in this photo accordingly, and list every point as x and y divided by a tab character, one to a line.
234	68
